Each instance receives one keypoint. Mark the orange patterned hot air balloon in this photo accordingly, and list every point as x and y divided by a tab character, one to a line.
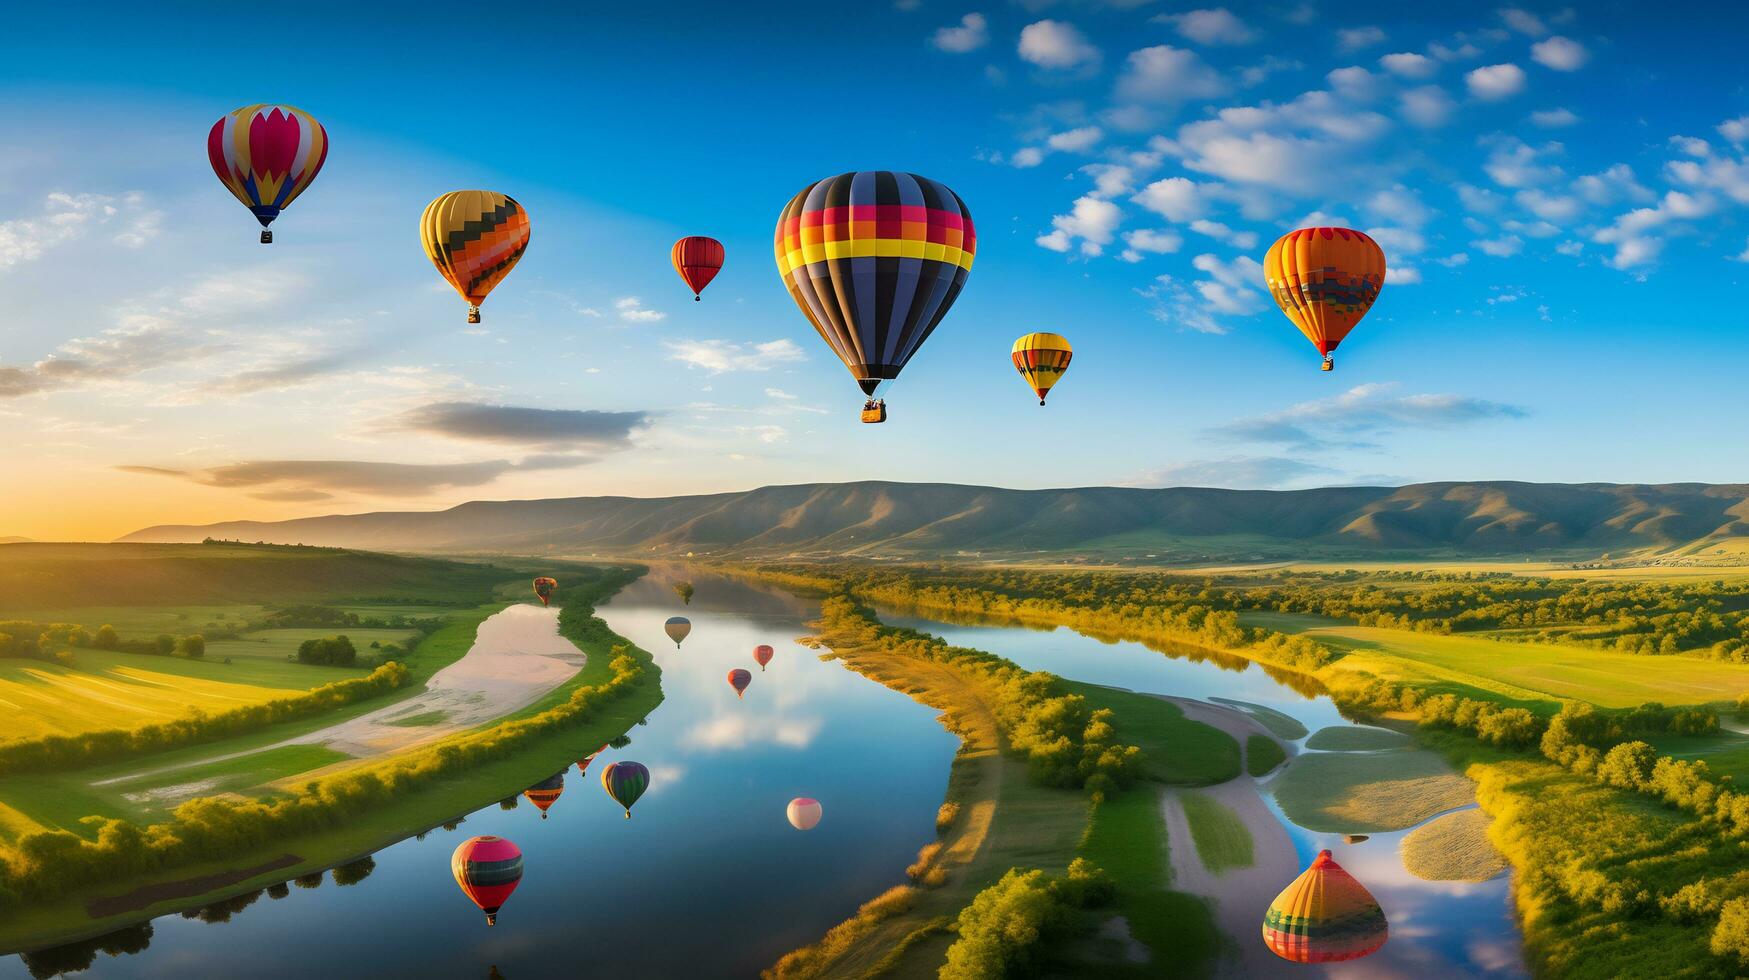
474	238
698	260
1325	279
1324	916
546	792
1041	359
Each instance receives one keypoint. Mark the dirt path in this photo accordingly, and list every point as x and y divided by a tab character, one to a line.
517	656
1240	895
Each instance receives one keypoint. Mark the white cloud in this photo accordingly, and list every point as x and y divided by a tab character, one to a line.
1093	220
1257	74
1454	260
1056	44
1398	204
1637	235
1216	26
1515	164
68	217
1078	140
779	393
1355	38
1398	242
1402	275
1354	82
1478	200
1428	106
1408	64
1503	247
1362	412
1560	53
1549	207
1743	256
1030	156
1524	22
1109	179
1609	186
1736	131
1464	51
1165	74
1148	241
1709	171
719	356
1238	473
971	34
631	309
1495	82
1177	199
1222	233
1233	287
1553	118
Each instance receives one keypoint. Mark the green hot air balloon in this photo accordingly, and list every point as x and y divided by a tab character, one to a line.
625	782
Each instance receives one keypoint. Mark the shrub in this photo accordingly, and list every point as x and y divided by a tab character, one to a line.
192	646
334	651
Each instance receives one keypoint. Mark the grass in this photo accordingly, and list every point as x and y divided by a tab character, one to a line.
1262	755
1176	750
1285	622
1454	847
278	644
126	690
1535	674
1221	839
1335	792
1282	726
1127	838
1354	738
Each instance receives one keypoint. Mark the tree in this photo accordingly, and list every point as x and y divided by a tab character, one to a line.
192	646
333	651
107	638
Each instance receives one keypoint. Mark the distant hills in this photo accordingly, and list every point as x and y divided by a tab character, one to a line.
934	520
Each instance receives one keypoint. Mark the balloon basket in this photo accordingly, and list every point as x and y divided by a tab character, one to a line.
266	237
874	413
1328	365
473	314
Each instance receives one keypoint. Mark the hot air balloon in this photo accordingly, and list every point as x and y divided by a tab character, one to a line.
1324	279
677	629
698	260
474	238
488	870
763	655
544	587
1324	916
266	155
804	813
874	260
583	763
739	678
625	782
546	792
1041	359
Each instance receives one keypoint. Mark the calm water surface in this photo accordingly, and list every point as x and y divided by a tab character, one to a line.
1438	929
707	879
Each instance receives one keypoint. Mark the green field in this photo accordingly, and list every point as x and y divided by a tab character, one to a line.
1282	726
279	644
1175	750
1222	841
1355	738
1532	673
126	690
1373	792
1262	755
1127	838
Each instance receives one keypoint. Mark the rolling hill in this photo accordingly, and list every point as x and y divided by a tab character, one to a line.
931	520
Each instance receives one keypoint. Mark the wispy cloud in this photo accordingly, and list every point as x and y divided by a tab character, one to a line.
304	479
518	425
1360	414
719	356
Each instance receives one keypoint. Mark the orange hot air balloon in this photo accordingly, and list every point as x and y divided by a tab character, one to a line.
698	260
583	763
763	655
1324	280
739	678
546	792
1324	916
488	869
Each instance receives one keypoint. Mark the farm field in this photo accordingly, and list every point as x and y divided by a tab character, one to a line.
279	644
126	690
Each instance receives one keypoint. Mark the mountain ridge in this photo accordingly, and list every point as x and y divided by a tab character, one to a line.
933	520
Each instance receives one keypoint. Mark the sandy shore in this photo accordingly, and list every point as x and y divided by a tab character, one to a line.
517	656
1239	896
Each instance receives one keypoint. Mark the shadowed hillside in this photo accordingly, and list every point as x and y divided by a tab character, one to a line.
944	520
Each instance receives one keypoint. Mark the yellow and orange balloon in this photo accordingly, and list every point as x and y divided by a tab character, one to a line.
1041	359
474	238
1324	280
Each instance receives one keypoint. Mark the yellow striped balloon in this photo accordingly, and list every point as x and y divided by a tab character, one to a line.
1324	916
474	238
1041	359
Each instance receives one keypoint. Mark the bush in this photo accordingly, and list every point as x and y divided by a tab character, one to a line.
192	646
1731	936
945	817
333	651
107	638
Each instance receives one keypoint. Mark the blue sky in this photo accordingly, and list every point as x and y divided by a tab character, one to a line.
1563	195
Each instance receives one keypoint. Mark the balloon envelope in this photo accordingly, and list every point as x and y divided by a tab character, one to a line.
1324	280
474	238
804	813
543	587
583	763
739	678
874	260
546	792
625	782
763	654
266	155
698	260
677	628
1324	916
488	869
1041	359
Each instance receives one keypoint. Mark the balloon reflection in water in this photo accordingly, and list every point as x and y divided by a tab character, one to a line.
488	869
677	628
804	813
625	782
546	792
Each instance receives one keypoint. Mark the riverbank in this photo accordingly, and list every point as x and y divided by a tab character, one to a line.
440	800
